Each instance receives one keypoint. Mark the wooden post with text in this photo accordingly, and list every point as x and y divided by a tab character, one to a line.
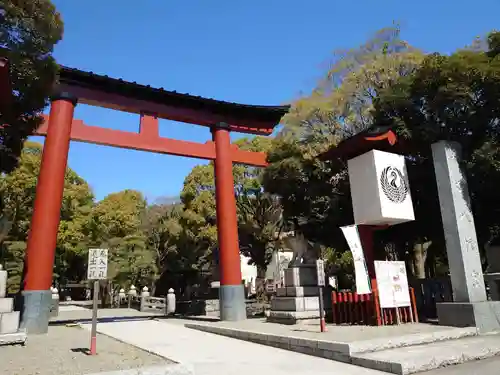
320	271
97	270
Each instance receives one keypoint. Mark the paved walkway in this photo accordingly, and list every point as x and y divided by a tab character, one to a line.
213	355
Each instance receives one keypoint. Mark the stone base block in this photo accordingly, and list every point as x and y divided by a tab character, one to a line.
292	317
300	276
485	316
232	303
295	304
36	311
18	337
297	291
6	305
9	322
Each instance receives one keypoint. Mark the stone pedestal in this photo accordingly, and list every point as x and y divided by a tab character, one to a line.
298	300
470	306
9	319
482	315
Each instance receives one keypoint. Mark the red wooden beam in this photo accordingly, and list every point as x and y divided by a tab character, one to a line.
191	116
148	139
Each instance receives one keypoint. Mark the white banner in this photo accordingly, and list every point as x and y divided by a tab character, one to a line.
392	283
351	235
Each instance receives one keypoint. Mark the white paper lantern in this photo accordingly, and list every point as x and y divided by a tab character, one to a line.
380	190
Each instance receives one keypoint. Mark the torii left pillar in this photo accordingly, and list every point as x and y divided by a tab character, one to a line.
39	262
231	293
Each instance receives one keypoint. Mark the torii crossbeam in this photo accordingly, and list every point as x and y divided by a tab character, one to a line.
151	104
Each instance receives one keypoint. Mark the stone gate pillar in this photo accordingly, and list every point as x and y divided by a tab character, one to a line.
231	292
42	238
470	306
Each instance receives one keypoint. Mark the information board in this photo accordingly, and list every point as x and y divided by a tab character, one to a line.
320	272
392	283
97	268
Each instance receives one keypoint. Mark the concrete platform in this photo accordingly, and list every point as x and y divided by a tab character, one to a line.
417	347
414	359
20	337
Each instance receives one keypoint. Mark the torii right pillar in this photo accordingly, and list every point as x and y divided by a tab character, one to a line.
231	292
470	307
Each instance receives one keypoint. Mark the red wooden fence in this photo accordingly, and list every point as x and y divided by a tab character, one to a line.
364	309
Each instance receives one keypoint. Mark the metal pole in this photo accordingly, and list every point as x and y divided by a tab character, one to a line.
322	323
93	334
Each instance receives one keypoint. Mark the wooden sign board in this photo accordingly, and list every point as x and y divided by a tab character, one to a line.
97	268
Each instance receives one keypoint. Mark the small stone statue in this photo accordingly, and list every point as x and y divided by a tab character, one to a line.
304	253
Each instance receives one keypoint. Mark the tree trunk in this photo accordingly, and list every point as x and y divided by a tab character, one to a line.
260	280
419	257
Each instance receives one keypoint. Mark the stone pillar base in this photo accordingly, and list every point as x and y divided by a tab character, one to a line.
485	316
232	303
36	311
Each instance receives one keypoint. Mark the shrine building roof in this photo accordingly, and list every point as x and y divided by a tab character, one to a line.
382	138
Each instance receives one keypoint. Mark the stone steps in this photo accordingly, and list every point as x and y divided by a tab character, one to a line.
424	357
9	319
402	355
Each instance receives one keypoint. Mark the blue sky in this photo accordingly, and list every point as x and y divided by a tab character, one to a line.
255	52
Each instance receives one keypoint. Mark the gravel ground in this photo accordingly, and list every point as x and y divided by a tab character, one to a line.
63	351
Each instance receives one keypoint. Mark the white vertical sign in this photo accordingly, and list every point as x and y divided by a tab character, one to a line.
320	272
392	283
97	268
351	235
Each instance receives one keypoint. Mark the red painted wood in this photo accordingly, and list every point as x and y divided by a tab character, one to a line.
227	224
148	139
414	303
49	191
165	111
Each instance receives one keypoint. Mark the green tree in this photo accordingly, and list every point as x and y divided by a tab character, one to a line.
315	192
29	31
117	224
260	223
17	193
198	195
454	98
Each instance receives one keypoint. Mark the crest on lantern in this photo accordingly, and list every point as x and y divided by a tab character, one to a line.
380	190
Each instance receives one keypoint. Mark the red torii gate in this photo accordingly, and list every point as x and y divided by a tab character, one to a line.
151	104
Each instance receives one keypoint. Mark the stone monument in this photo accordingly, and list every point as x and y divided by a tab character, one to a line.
298	300
9	319
470	306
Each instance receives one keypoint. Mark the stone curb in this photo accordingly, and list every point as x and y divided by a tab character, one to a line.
174	369
325	349
357	352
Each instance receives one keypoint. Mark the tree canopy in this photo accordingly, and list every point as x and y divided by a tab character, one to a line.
29	30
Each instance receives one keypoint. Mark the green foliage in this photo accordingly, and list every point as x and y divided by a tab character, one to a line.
315	192
198	196
29	31
455	98
17	193
341	104
117	224
260	222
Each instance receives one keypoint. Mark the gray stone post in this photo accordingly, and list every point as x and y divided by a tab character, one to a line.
470	306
